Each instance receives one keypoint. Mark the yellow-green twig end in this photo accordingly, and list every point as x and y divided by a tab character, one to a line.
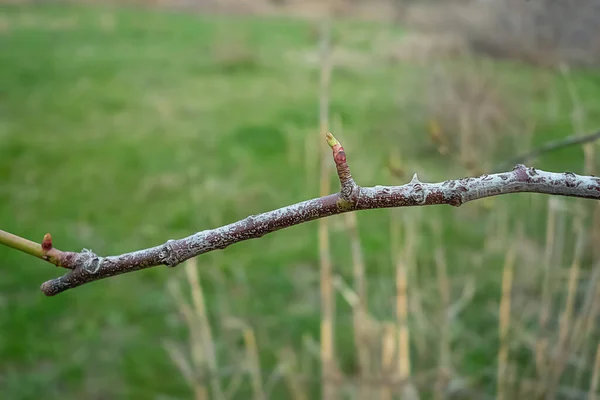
331	140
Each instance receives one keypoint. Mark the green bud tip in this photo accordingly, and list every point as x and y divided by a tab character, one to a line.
331	140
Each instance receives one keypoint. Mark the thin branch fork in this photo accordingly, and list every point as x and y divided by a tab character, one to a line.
86	267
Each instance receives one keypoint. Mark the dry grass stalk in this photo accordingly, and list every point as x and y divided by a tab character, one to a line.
465	135
406	265
585	324
569	339
203	324
311	161
402	298
589	154
541	347
472	113
404	261
595	377
567	316
234	384
253	363
360	285
287	358
504	323
495	231
443	377
195	372
595	234
359	312
388	352
586	319
589	149
327	298
181	362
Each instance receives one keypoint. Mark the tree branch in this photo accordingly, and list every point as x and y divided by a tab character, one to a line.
551	146
43	251
87	267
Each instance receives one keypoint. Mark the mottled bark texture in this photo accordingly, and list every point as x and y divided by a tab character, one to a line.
86	266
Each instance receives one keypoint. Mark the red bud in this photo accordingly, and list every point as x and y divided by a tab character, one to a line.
47	242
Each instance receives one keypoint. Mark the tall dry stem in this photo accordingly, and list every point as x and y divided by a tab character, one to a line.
360	311
195	371
287	357
586	322
504	323
541	347
445	297
568	337
566	321
327	297
595	377
253	363
179	359
388	353
208	346
405	259
402	295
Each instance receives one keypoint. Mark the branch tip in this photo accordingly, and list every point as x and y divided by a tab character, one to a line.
331	140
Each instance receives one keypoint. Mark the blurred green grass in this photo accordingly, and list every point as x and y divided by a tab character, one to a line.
122	128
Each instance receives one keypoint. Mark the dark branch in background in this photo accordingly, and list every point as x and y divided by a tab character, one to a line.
550	146
86	266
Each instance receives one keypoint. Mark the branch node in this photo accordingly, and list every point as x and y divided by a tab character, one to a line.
520	171
167	254
456	200
91	262
418	193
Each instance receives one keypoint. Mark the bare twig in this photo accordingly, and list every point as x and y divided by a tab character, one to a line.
45	251
551	146
88	267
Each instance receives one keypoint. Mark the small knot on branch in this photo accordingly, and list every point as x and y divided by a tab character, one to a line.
168	256
90	262
417	194
520	171
349	190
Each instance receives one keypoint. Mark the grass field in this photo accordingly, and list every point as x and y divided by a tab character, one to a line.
122	128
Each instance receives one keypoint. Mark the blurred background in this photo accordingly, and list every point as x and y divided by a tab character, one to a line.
125	125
